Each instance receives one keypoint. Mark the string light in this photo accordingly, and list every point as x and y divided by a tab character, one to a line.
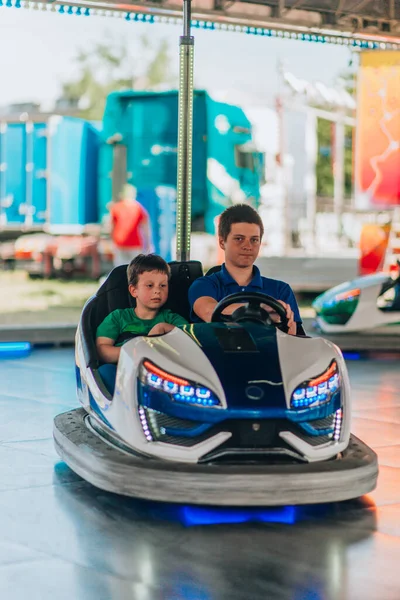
357	43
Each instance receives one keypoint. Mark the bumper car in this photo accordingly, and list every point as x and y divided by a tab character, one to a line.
232	412
369	304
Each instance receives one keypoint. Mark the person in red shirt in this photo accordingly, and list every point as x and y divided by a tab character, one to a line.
130	227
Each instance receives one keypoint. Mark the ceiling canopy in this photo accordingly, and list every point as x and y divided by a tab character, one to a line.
375	21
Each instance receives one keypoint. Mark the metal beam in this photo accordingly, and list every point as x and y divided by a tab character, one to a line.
359	6
235	20
340	8
392	11
281	8
297	5
320	113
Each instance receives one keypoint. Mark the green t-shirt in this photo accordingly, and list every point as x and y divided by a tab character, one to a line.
125	320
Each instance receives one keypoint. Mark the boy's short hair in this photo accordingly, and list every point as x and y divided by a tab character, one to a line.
239	213
144	263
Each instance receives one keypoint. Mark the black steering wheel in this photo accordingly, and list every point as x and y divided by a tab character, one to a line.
251	310
125	337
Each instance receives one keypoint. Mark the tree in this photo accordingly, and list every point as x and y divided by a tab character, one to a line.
324	159
324	172
110	66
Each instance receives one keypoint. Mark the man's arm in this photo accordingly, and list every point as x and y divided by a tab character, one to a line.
204	296
291	323
288	300
203	299
205	306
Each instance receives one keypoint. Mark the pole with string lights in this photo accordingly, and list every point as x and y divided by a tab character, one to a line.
185	138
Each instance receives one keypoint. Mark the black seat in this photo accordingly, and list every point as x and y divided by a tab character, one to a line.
213	270
182	276
394	304
114	294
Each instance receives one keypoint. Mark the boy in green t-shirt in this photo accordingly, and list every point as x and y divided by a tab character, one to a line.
148	276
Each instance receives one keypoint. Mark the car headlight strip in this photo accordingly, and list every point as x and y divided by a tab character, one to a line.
317	391
180	390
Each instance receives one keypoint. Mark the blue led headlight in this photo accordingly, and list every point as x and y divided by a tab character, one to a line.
179	389
317	391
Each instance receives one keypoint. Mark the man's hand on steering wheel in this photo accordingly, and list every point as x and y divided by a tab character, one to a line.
291	324
252	307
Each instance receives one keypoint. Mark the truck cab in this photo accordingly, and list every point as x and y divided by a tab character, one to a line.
140	131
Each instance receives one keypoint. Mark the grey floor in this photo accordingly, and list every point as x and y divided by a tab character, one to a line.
61	539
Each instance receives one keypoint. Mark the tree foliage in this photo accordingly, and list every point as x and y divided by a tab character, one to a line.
325	159
111	66
324	171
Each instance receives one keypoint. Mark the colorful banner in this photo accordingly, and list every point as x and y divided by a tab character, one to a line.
377	164
373	245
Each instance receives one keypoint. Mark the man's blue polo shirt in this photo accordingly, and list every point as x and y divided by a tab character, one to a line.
221	284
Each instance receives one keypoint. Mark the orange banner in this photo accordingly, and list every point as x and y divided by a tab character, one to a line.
377	165
373	245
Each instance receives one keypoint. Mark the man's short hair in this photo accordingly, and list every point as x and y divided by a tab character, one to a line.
128	192
239	213
144	263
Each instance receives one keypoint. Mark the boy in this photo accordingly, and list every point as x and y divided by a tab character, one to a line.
148	277
240	232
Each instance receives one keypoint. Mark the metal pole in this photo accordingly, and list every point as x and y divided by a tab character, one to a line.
338	174
280	108
3	174
185	135
284	169
310	175
29	133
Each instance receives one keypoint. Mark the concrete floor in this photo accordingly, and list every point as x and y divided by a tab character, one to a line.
63	539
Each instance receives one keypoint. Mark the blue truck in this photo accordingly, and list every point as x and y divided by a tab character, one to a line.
59	176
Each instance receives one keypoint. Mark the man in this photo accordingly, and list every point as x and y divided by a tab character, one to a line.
130	227
240	232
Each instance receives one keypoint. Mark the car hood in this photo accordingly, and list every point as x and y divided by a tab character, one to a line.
246	360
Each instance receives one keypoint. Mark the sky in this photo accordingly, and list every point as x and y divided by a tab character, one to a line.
37	51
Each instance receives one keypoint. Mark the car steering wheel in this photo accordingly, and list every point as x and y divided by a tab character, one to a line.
125	337
251	311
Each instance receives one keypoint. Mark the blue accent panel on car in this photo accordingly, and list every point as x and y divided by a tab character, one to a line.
95	408
318	412
163	402
78	377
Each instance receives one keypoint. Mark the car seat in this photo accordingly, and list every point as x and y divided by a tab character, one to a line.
113	294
